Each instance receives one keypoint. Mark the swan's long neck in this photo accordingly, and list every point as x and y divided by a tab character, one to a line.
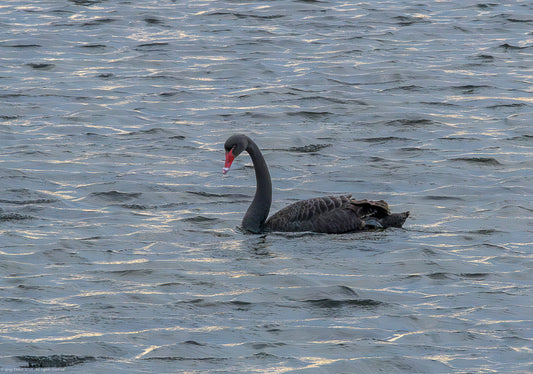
257	213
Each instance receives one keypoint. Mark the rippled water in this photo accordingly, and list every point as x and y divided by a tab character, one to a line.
119	244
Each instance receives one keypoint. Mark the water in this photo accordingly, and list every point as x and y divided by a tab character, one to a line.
119	244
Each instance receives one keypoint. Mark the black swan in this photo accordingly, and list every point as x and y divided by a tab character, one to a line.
328	214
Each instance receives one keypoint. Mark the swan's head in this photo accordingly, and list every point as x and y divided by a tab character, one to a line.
234	146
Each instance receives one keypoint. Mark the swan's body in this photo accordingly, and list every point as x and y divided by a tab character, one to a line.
328	214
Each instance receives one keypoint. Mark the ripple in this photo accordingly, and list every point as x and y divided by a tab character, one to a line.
309	114
41	65
94	46
116	195
199	219
14	217
383	139
310	148
98	21
411	122
54	361
443	197
330	303
24	46
489	161
509	47
28	202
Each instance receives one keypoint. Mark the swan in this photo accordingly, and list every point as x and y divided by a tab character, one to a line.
327	214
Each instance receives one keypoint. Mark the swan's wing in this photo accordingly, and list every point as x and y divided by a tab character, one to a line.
328	214
371	208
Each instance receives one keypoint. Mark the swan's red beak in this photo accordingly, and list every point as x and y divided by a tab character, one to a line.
229	161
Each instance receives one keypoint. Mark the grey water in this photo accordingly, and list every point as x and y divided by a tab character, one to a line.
120	247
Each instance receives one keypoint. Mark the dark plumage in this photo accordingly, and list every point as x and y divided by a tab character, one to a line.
334	215
328	214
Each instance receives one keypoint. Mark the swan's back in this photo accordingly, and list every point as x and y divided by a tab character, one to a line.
333	215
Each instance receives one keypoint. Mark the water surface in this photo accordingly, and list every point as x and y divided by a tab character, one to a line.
119	242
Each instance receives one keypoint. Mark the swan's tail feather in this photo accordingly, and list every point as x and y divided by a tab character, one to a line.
394	219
